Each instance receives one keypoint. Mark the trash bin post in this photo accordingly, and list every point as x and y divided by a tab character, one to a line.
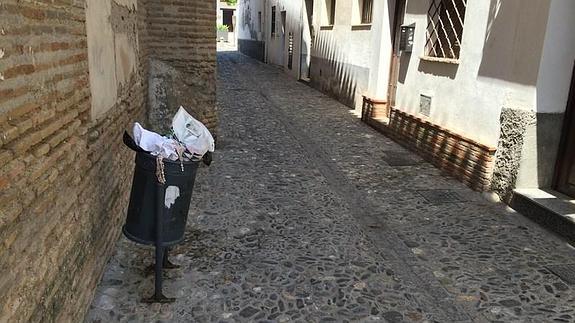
161	251
150	220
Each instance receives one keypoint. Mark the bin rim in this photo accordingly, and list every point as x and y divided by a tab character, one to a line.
150	242
168	161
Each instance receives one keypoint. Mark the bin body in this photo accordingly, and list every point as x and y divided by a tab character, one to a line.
140	223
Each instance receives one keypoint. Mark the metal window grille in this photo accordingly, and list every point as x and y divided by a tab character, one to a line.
290	51
366	11
273	22
445	28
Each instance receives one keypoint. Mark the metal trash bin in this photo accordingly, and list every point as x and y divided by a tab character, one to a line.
158	210
140	223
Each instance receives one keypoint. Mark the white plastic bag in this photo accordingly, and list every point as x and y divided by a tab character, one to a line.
154	143
192	133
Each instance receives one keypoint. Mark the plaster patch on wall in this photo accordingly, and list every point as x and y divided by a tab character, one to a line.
126	58
112	51
124	21
101	57
124	24
514	124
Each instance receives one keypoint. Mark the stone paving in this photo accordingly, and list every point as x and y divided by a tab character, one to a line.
308	215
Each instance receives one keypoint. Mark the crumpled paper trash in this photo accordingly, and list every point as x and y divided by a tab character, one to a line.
190	139
155	143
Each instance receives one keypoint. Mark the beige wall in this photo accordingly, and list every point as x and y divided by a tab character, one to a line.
112	49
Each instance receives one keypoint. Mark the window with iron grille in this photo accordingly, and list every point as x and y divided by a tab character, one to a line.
273	22
330	11
259	21
445	19
366	11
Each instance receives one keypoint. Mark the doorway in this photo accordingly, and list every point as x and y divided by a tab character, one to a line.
283	17
565	169
228	19
399	13
306	40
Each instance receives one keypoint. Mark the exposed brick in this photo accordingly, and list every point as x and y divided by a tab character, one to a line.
10	94
463	158
58	137
32	13
59	184
5	156
10	172
26	142
24	69
41	150
22	110
43	115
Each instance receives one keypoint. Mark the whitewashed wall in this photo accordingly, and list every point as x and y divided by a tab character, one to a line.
498	67
247	19
558	58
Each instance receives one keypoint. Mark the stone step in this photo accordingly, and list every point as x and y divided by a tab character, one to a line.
549	208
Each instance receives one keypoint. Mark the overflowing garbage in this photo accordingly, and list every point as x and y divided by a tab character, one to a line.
164	175
189	140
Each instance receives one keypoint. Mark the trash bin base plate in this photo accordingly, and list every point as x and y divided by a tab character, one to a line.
158	299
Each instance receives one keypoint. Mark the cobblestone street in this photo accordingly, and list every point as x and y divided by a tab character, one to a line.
308	215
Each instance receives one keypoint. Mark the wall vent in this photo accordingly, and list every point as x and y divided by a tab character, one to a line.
425	105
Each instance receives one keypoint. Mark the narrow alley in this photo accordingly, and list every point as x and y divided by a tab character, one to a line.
309	215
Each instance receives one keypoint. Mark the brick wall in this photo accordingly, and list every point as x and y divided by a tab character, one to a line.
64	176
469	161
182	33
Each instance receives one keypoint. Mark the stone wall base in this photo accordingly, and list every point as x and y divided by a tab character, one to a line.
170	88
527	151
252	48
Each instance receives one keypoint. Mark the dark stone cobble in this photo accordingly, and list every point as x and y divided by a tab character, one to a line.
300	218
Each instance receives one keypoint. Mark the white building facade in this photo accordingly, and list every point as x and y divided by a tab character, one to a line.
226	16
480	88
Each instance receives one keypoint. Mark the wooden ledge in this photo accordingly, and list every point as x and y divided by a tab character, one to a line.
453	61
